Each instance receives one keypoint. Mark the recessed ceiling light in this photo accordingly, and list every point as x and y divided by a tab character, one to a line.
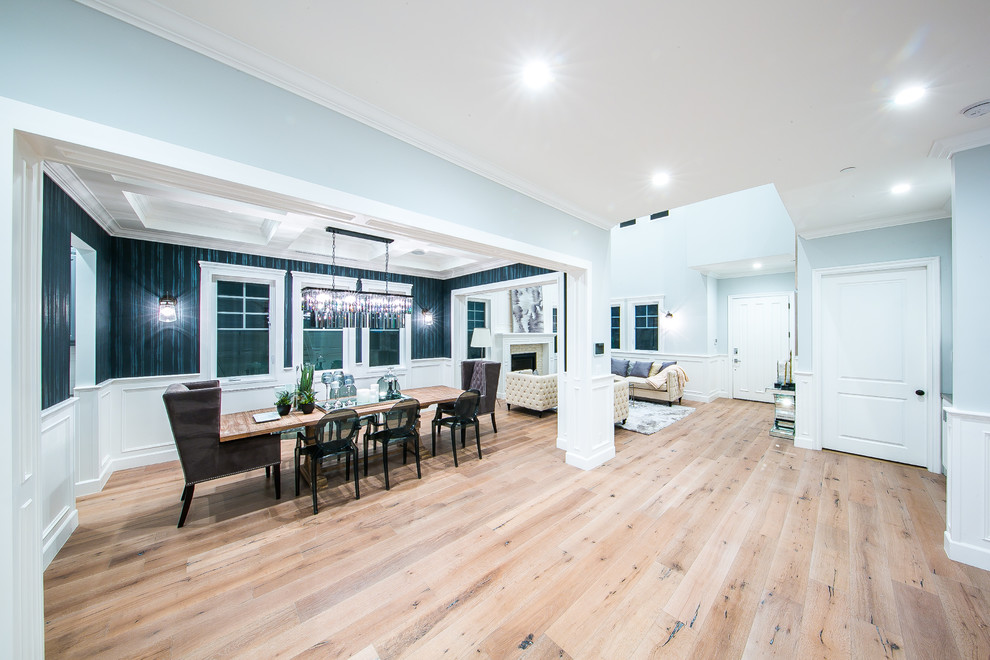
537	74
660	179
900	188
909	95
419	252
757	265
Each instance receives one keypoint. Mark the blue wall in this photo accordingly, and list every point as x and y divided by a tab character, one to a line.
971	275
132	275
63	217
913	241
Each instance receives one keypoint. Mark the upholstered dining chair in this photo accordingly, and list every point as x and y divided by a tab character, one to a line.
399	425
464	414
482	375
333	435
194	415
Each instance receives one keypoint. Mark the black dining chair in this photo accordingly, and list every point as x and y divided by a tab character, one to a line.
463	414
400	424
333	435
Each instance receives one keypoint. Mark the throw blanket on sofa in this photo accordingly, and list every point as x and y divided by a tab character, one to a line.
660	380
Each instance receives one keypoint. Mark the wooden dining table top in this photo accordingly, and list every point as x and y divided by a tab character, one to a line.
242	425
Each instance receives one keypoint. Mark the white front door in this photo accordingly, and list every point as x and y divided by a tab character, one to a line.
875	362
759	338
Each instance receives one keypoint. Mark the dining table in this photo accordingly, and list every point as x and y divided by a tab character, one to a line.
243	425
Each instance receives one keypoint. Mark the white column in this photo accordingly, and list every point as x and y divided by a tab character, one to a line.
585	409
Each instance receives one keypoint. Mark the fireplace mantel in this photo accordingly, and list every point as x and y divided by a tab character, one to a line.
540	343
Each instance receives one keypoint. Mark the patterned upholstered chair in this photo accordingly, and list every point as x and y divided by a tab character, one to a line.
527	390
620	408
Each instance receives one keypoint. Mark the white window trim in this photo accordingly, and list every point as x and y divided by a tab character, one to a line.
302	280
209	273
488	303
621	304
629	318
405	334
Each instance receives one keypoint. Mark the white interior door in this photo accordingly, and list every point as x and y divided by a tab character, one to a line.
759	338
875	362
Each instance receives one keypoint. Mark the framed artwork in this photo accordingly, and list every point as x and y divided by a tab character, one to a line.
527	309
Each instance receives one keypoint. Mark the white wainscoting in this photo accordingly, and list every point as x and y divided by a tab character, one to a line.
122	424
967	532
806	412
57	470
708	375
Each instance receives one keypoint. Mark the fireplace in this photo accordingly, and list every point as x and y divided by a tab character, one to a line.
523	361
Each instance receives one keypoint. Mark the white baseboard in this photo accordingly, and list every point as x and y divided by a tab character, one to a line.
593	461
966	553
54	541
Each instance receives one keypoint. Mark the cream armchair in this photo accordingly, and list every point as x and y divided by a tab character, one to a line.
527	390
620	408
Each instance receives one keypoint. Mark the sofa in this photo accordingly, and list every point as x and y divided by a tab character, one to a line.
651	381
527	390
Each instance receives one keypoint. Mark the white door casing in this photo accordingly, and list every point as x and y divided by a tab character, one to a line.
876	348
759	337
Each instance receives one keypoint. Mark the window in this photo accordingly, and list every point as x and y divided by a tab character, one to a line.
647	327
314	342
616	327
383	348
477	313
554	312
242	329
322	347
240	312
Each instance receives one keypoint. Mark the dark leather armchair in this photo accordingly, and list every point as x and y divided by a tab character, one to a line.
194	414
485	381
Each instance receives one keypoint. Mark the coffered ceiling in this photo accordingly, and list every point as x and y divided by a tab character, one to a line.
721	96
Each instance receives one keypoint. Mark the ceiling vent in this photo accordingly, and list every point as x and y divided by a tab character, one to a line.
977	109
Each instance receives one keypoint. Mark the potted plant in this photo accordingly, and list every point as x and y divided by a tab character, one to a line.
306	401
305	395
283	402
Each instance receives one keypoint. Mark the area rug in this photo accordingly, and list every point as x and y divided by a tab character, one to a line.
645	417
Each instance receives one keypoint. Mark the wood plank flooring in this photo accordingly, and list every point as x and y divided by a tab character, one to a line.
708	539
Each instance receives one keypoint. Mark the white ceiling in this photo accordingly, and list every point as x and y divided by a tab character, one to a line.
723	96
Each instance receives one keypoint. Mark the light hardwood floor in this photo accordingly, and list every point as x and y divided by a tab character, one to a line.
708	539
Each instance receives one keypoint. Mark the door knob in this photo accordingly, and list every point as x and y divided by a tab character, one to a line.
920	392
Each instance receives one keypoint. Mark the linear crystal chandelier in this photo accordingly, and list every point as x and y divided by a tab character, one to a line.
343	308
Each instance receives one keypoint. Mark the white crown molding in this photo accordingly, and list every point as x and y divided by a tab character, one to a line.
167	24
73	186
892	221
947	147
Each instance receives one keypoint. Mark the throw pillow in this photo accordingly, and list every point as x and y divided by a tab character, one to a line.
640	369
654	369
620	367
665	365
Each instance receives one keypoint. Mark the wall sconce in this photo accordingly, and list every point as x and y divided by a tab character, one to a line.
668	315
168	308
427	317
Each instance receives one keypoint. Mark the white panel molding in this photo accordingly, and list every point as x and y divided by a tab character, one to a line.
806	413
58	500
967	533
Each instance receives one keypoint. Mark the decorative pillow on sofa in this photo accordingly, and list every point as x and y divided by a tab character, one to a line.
640	369
657	367
620	367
